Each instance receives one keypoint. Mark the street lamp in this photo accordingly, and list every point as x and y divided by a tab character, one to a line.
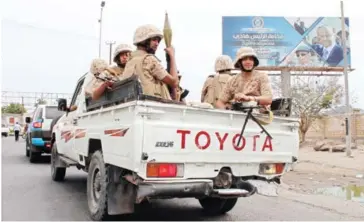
100	21
110	43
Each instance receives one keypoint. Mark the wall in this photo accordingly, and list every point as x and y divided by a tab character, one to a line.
333	127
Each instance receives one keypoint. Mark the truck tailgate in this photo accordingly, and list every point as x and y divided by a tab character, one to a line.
209	138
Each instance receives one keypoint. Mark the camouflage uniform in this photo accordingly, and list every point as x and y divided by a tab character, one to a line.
147	66
223	66
99	68
257	85
206	93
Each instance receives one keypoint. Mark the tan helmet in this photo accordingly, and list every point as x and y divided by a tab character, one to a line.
121	48
145	32
223	62
243	52
98	66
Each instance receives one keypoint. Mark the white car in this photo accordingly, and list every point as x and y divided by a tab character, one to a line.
4	130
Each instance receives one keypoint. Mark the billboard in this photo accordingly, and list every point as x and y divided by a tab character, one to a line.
287	41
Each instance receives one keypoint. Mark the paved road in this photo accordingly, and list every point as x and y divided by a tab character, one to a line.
28	193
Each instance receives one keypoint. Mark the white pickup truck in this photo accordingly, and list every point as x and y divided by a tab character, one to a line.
136	148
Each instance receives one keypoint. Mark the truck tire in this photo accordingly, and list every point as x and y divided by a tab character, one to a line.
27	150
33	156
57	173
216	206
97	183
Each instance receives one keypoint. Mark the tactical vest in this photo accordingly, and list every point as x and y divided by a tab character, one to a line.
150	85
218	85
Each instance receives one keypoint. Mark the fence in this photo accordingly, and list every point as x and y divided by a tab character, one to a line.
333	127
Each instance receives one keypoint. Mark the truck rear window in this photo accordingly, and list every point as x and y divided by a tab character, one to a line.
52	112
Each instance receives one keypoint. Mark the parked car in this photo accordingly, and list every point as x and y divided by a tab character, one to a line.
39	137
4	130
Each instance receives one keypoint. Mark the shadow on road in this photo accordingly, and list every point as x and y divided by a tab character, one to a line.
157	210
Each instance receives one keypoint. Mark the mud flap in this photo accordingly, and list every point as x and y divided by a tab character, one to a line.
57	160
265	188
121	194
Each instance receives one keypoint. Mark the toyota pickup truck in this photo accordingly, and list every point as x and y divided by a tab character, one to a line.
137	148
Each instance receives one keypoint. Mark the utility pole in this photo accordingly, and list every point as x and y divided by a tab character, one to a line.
110	43
22	104
100	21
347	102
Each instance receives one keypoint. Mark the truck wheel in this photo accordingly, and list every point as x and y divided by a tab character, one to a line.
217	206
58	173
33	156
26	150
97	183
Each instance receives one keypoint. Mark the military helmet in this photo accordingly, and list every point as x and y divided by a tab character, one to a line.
121	48
98	66
145	32
244	52
223	62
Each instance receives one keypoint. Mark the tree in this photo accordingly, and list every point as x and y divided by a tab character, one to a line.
14	108
311	95
41	101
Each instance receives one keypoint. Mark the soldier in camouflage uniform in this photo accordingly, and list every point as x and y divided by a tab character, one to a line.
206	93
223	66
104	76
120	57
249	85
143	63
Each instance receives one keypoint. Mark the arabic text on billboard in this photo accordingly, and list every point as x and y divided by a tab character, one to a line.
288	41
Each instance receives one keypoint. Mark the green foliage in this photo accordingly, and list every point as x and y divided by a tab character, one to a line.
14	108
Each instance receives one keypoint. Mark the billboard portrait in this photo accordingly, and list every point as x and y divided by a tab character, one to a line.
287	41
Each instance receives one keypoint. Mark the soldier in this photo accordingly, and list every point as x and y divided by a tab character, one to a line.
105	76
121	56
153	77
223	66
249	85
207	90
101	78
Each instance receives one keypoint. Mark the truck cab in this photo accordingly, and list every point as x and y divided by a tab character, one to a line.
136	147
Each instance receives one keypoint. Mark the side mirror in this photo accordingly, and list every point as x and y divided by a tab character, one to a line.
62	105
28	120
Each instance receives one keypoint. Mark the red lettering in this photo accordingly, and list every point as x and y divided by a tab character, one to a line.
183	138
267	144
197	138
255	142
235	142
221	141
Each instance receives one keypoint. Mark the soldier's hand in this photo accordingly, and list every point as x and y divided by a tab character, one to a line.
241	97
108	84
170	51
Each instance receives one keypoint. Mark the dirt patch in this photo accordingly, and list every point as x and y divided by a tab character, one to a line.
308	177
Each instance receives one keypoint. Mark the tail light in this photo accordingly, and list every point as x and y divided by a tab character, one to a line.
37	125
165	170
271	168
